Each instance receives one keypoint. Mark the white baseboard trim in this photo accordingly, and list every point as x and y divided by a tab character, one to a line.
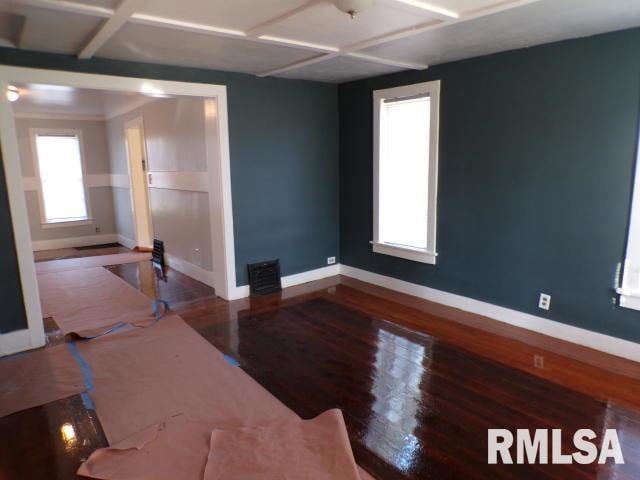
15	342
126	242
597	341
188	268
70	242
295	279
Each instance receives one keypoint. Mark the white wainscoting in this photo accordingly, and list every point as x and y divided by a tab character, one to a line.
31	184
188	268
182	266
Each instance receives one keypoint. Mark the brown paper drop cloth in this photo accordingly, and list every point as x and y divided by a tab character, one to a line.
65	264
31	379
91	300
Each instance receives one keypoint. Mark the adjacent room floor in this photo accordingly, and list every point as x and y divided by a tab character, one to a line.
417	391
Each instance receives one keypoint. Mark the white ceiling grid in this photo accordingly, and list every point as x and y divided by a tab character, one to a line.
308	39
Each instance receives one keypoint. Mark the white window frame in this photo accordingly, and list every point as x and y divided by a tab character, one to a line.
33	133
432	89
630	296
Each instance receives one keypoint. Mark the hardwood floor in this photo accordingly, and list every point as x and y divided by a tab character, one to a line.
77	252
418	390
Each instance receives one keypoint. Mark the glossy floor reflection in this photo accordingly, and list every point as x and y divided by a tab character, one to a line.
417	403
49	442
416	408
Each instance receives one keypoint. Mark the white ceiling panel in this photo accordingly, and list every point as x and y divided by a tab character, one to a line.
55	99
174	47
536	23
236	14
340	69
324	24
53	31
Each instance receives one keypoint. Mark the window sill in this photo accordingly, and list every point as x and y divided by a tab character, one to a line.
628	300
414	254
72	223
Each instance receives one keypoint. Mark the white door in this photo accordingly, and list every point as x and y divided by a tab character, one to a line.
136	153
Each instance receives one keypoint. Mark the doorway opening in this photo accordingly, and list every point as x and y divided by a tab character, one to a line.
211	181
137	163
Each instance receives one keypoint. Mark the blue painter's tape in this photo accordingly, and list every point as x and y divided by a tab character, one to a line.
87	402
231	361
87	376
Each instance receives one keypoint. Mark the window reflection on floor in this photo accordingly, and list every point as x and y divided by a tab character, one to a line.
401	368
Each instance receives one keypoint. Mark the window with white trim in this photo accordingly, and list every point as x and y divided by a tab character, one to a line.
59	166
406	171
630	289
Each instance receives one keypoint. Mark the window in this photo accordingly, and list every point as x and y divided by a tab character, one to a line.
630	289
406	171
59	166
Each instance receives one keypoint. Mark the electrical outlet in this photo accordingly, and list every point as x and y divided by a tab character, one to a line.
545	301
331	260
97	229
538	361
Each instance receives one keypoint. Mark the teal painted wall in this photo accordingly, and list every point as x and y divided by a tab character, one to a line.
13	315
284	163
537	151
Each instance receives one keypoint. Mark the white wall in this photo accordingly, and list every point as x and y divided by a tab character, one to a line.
175	141
97	166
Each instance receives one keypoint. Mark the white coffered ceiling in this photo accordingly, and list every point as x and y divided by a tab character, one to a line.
308	39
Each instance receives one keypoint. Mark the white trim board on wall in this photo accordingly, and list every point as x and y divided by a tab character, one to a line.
71	242
580	336
14	342
96	180
296	279
188	181
194	271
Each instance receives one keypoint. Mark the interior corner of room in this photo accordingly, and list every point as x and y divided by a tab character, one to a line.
423	214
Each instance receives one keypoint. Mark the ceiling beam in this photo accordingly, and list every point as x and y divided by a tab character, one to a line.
432	10
120	16
155	21
402	33
440	18
264	27
68	7
389	62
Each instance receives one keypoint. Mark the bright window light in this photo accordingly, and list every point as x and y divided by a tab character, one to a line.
404	172
61	177
405	163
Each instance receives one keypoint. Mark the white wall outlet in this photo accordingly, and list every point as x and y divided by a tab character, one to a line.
538	361
331	260
545	301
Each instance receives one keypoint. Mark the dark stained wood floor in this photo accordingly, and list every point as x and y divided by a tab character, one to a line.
417	401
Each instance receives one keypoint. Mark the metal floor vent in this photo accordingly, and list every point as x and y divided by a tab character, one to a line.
264	277
157	256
